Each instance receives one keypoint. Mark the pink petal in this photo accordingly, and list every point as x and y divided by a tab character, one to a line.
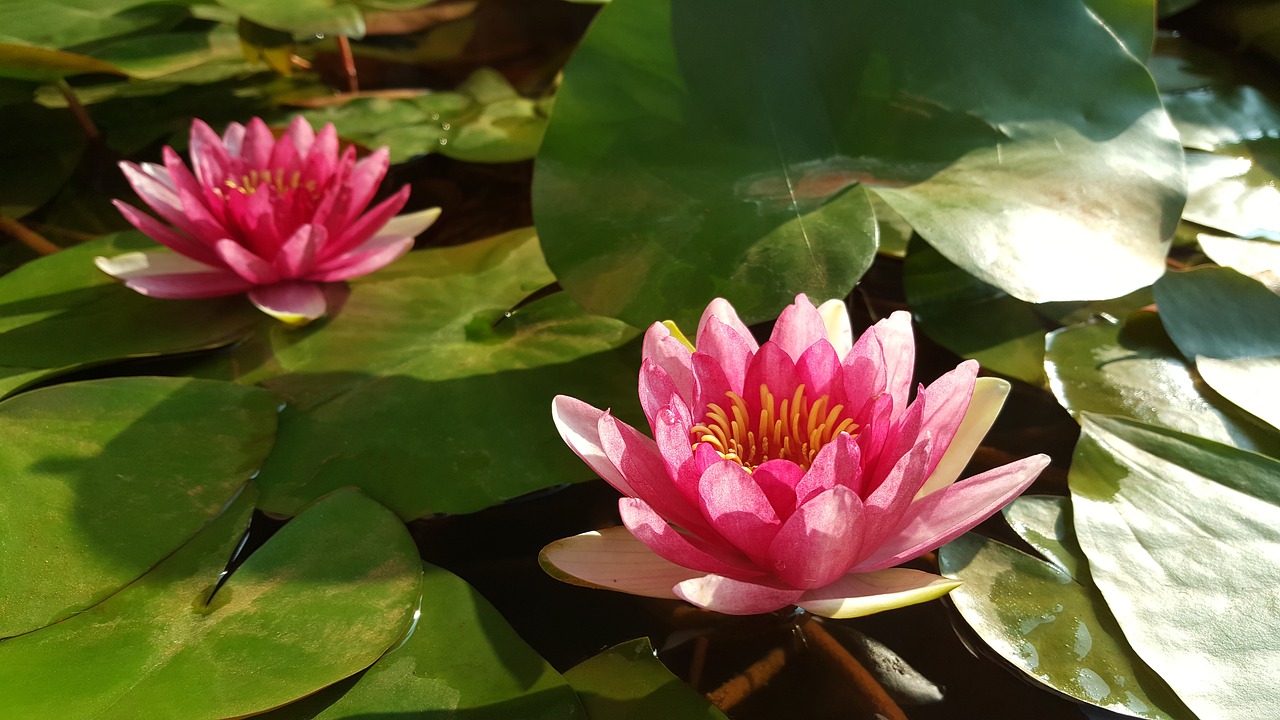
820	370
887	504
165	235
577	422
835	316
366	175
233	138
367	225
652	530
735	597
859	594
637	458
772	368
904	434
948	513
375	254
169	275
779	481
209	156
721	310
182	179
258	144
988	397
710	384
298	252
731	351
838	463
948	400
821	541
292	302
300	136
738	509
669	353
657	390
864	373
613	559
798	327
671	432
899	347
244	263
322	156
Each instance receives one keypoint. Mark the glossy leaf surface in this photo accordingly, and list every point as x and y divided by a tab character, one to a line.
60	312
461	659
320	601
1198	520
422	390
84	463
628	682
702	149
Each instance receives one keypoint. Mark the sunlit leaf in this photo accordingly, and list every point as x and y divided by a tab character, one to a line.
460	660
61	312
725	142
628	682
1136	372
1134	21
83	463
1197	521
973	319
1053	626
423	391
1260	259
321	600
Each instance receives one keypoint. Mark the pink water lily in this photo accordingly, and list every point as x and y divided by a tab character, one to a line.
790	473
277	219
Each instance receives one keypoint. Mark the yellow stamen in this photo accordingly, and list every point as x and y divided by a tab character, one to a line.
794	430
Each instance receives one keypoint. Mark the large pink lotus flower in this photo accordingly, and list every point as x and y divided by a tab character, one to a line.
793	472
274	218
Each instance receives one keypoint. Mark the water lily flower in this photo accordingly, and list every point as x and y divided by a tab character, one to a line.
790	473
277	219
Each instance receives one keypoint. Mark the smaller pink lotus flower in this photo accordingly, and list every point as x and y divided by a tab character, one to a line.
793	472
274	218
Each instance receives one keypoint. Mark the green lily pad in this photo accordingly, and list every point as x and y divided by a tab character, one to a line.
1053	627
460	659
34	166
971	318
84	465
1234	189
1230	325
320	601
66	24
1134	21
483	120
60	312
628	682
308	17
422	390
1180	533
704	131
26	62
147	57
1135	371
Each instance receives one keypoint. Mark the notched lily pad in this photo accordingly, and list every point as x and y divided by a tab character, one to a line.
628	682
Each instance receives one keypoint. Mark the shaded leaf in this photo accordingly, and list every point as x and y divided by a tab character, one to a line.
1143	497
83	465
628	682
68	23
320	601
425	393
35	165
460	659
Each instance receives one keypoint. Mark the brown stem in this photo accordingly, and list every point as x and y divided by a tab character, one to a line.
28	237
753	678
878	701
82	116
699	660
348	63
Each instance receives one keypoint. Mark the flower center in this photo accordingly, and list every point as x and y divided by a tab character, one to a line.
252	181
795	430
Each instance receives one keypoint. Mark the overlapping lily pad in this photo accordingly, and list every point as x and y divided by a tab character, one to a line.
1180	535
461	659
103	479
1048	620
1134	370
709	148
628	682
426	393
320	601
61	312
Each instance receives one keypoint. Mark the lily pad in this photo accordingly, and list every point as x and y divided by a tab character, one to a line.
60	312
1259	259
84	462
461	658
726	143
973	319
1135	371
320	601
1156	509
628	682
1053	627
34	166
426	393
308	17
66	24
483	120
